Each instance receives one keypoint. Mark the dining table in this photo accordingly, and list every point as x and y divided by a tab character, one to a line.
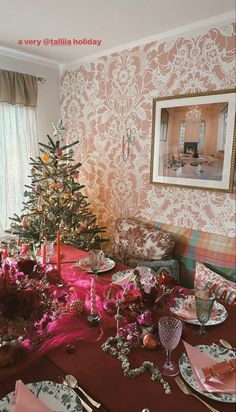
100	374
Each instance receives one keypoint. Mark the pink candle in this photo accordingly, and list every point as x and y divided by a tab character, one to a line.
44	253
93	308
58	253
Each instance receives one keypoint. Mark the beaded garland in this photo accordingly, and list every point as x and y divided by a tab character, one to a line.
116	346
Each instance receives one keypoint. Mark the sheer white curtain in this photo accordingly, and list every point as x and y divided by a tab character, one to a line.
18	142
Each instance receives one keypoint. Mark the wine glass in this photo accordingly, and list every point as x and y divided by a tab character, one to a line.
204	305
95	260
170	330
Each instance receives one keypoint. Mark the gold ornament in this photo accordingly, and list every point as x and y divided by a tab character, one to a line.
45	157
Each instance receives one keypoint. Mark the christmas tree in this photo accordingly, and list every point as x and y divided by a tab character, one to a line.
55	202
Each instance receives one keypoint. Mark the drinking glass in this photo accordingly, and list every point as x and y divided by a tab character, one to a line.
170	330
49	250
95	260
204	307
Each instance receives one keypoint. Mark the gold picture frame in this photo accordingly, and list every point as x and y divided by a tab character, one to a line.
193	140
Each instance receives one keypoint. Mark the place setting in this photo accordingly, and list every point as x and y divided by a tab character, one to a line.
44	396
185	308
208	369
96	262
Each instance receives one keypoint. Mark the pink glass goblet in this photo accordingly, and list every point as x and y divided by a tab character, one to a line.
170	330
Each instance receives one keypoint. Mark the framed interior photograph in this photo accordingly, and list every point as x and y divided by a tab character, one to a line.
193	140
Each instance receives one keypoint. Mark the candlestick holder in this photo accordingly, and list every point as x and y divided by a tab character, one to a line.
94	319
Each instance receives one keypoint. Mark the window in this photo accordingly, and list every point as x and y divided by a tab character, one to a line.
18	142
222	129
182	130
201	135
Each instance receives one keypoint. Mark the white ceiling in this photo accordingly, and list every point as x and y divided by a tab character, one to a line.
114	22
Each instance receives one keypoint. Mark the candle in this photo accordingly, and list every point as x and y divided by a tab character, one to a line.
44	253
58	253
92	298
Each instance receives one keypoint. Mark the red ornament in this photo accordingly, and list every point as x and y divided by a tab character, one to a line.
58	152
38	188
166	279
82	228
150	341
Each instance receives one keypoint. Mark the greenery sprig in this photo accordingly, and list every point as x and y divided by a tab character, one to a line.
116	346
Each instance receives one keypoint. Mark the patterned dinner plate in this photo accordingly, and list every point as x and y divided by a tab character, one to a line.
56	396
220	317
109	264
219	354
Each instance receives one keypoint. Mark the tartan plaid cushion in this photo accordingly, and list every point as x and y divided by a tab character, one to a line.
207	280
216	251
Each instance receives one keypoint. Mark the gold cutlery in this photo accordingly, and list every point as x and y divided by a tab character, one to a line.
226	344
73	383
83	403
187	391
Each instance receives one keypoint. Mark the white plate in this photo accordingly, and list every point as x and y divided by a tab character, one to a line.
221	316
219	354
110	264
56	396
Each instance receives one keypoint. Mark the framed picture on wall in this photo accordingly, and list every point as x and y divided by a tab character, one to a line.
193	140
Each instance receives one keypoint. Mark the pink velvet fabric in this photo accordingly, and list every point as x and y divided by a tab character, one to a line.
77	282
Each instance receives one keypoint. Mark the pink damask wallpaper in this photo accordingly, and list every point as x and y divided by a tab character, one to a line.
101	99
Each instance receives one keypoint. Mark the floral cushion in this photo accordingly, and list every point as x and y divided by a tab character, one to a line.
134	242
206	279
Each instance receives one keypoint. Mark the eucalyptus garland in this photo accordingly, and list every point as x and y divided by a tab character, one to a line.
116	346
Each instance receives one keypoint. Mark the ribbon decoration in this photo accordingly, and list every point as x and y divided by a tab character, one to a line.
127	140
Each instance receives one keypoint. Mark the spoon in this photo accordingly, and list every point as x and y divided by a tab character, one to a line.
226	344
84	404
73	383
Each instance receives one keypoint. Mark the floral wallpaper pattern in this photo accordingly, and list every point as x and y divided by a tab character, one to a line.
101	99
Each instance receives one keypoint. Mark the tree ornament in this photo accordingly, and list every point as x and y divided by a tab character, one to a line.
40	203
50	216
38	188
59	130
82	227
25	222
45	157
58	152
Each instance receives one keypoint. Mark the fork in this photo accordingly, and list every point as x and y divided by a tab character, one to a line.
188	391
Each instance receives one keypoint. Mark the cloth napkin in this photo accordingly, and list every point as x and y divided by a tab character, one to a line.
199	360
26	401
128	276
